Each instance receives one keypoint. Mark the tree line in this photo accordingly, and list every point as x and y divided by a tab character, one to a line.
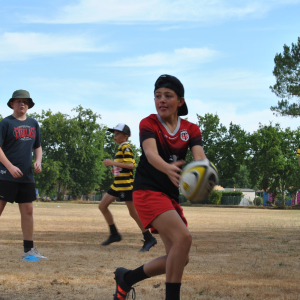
75	146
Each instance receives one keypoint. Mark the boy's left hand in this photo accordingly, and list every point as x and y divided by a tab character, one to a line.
108	162
37	167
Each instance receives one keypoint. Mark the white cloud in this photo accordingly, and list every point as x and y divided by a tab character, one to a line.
20	46
184	56
165	11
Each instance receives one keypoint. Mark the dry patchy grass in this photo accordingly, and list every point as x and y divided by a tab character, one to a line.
236	254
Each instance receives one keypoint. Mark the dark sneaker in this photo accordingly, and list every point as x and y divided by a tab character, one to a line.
122	289
148	244
112	239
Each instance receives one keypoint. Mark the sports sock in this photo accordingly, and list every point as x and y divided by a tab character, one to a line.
27	245
135	276
173	291
147	235
113	229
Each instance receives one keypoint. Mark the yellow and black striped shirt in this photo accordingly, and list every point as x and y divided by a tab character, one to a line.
298	152
123	180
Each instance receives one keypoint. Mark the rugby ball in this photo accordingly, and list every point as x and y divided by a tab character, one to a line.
198	179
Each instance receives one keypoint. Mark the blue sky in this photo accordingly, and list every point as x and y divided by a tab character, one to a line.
106	56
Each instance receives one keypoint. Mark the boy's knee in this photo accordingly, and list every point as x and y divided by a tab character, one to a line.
28	212
101	207
186	239
132	214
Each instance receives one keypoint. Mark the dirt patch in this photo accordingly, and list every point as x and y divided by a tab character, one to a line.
236	254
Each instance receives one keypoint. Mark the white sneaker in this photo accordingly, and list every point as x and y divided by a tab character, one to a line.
34	252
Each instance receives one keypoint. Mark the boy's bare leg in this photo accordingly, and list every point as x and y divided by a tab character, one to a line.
103	206
2	206
26	210
177	240
134	215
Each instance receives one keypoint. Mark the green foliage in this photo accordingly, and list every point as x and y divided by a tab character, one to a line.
215	197
240	179
72	151
226	148
46	181
273	163
1	118
258	201
287	73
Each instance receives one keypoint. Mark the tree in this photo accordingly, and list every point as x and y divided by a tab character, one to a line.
273	164
225	148
72	150
241	178
1	118
46	181
287	73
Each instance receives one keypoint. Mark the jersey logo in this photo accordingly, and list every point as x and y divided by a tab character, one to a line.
3	172
127	149
184	135
24	133
116	171
122	195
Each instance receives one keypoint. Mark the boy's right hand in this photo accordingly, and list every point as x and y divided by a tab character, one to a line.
15	172
173	171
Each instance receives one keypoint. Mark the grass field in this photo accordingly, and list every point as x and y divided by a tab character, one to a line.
237	253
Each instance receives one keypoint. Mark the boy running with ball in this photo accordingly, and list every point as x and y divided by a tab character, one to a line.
19	137
123	164
164	139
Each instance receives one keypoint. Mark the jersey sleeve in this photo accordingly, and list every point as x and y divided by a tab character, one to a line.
3	132
195	136
128	157
298	151
146	130
37	142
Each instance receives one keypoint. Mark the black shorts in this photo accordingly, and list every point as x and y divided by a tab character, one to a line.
19	192
123	195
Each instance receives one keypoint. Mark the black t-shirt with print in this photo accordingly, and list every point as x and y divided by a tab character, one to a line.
17	140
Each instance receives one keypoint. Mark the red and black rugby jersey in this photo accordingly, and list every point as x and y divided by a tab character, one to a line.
171	146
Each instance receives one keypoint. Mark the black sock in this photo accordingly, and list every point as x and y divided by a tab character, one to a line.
147	235
135	276
113	229
27	245
172	291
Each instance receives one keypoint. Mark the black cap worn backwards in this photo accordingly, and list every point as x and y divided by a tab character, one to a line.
173	83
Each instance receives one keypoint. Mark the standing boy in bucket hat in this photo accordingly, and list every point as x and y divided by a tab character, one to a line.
19	136
123	164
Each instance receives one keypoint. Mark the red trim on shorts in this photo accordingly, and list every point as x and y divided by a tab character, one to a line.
151	204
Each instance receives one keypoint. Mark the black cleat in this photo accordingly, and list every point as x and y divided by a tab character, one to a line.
148	244
112	239
122	289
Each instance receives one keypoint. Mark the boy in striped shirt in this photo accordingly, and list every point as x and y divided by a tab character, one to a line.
122	167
